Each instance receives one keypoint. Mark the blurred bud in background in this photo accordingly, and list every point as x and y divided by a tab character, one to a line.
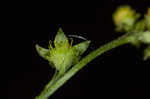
124	18
127	20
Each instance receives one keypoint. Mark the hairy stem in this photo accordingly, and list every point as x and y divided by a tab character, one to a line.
113	44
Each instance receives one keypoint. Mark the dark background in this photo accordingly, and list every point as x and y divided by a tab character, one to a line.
120	72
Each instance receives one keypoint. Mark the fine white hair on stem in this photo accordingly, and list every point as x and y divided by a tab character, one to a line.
77	36
80	37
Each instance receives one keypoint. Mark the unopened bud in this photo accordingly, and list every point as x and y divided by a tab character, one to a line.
124	18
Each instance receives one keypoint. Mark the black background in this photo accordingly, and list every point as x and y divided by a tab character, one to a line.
120	72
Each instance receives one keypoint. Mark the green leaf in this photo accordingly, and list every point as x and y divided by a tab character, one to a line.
42	51
81	47
60	39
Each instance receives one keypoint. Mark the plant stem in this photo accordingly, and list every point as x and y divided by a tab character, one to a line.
113	44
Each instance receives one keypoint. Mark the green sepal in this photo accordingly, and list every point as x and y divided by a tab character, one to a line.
43	52
60	39
81	47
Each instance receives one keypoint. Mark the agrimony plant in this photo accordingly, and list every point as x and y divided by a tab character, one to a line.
66	59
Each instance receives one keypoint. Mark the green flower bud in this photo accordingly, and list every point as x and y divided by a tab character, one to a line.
124	18
63	55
